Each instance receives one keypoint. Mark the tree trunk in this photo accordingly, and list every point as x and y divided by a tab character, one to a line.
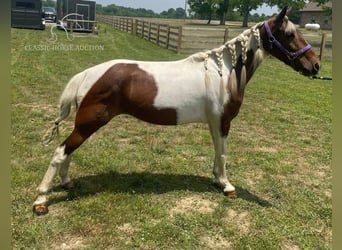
224	9
210	17
245	19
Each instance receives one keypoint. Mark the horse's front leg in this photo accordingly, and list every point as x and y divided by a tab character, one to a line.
219	136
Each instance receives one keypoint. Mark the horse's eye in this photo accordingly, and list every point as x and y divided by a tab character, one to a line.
290	35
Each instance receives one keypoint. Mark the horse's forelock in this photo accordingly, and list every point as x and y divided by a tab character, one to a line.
290	27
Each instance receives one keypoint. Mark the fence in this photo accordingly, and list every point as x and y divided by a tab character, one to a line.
184	39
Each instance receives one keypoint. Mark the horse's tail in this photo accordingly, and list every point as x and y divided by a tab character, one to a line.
68	97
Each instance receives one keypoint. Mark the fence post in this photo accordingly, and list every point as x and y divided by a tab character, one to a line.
167	36
142	29
321	51
179	45
131	25
157	35
225	38
149	31
135	25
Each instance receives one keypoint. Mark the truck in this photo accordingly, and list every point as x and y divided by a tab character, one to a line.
27	14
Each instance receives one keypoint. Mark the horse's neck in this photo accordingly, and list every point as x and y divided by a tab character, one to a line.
245	50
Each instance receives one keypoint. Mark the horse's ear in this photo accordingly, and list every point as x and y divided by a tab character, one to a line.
280	17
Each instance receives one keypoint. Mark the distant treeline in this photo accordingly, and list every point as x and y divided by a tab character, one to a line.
178	13
115	10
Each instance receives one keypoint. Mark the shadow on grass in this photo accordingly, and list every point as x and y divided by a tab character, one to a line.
147	183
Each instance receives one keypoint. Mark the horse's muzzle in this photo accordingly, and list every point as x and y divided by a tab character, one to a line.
313	70
316	67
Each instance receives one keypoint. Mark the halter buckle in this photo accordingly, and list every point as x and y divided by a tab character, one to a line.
292	56
271	40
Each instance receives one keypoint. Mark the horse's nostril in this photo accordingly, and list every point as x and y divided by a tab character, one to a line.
317	66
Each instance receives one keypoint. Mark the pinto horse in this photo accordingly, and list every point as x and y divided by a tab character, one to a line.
206	87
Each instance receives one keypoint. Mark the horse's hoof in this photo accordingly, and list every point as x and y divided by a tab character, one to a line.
68	185
231	194
40	209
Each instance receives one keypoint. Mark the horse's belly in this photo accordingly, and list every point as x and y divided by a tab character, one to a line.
188	101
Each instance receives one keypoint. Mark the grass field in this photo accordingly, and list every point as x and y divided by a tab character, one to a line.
141	186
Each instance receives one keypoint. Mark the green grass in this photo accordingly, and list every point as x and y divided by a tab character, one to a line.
140	186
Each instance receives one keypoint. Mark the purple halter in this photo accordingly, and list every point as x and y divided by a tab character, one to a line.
291	55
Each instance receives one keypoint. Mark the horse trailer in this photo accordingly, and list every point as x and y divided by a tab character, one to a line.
27	14
76	15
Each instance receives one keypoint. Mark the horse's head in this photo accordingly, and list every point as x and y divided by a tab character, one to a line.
282	40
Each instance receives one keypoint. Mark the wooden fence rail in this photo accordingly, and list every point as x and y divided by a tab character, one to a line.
182	39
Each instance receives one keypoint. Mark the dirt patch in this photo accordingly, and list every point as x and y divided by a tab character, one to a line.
216	242
127	228
70	242
253	177
38	107
289	246
194	203
240	220
266	150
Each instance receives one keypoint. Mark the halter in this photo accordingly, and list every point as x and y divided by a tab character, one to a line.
290	55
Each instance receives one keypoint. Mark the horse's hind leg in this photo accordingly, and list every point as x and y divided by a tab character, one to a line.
63	173
88	120
40	204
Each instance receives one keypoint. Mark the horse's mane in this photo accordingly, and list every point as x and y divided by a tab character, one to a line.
243	40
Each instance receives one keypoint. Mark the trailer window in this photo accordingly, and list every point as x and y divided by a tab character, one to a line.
25	5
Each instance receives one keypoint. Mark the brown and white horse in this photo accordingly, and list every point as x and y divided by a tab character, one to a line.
206	87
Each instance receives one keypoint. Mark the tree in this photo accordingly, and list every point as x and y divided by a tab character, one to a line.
222	11
203	9
208	8
326	8
173	13
245	7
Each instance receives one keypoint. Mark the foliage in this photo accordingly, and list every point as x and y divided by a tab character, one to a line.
116	10
208	9
245	7
203	9
221	9
173	13
49	3
326	8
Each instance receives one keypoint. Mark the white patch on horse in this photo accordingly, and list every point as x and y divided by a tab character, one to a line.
180	86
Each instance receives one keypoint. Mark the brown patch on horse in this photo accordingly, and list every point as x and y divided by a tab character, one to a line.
123	89
232	108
